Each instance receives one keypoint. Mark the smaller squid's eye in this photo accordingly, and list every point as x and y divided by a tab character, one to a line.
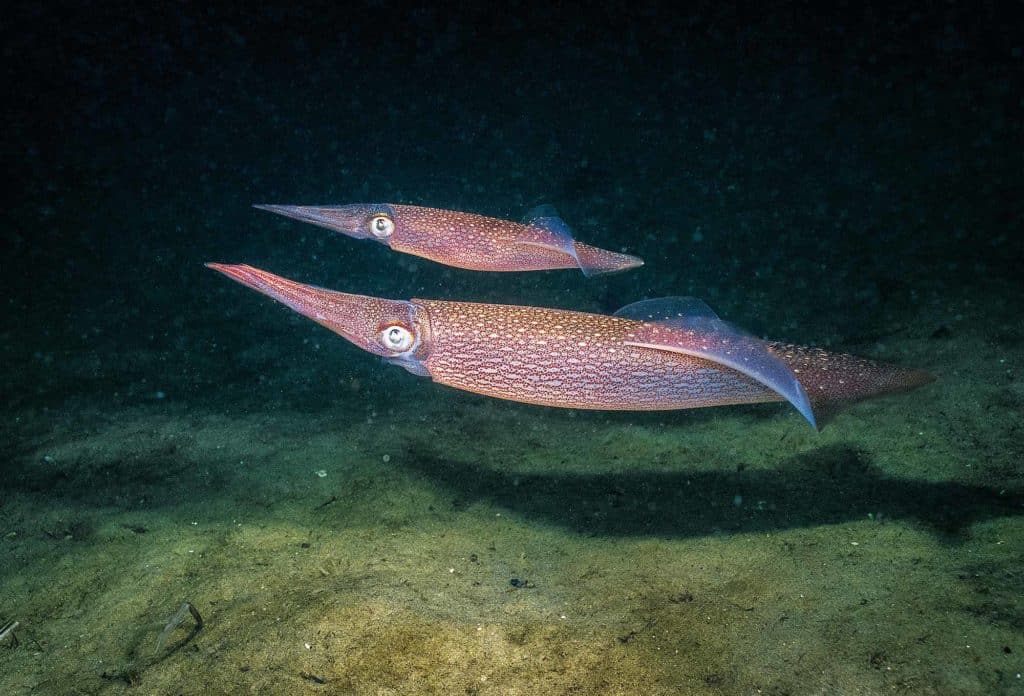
397	338
381	226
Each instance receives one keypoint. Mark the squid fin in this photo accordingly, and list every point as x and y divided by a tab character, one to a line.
666	309
544	227
688	326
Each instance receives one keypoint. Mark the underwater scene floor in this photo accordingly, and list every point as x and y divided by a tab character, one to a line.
407	538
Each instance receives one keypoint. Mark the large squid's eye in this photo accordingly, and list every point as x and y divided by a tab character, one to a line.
381	226
397	338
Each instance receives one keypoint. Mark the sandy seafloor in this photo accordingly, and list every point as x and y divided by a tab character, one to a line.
345	527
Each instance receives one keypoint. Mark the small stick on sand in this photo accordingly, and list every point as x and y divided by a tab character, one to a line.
7	631
175	621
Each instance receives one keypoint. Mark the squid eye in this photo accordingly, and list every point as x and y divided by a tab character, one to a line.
381	226
397	338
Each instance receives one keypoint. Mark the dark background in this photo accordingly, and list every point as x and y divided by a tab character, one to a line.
834	176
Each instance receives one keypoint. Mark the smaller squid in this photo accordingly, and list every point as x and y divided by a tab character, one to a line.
466	240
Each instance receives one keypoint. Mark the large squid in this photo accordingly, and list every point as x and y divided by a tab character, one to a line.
672	353
465	240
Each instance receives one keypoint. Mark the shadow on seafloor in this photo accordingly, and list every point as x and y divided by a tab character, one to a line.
828	485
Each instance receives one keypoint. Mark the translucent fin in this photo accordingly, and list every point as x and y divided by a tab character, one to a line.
410	365
706	336
546	229
666	309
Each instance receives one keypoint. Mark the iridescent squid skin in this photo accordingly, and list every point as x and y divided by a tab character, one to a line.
465	240
568	359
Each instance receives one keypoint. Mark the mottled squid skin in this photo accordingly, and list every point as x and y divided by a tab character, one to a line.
462	240
561	358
